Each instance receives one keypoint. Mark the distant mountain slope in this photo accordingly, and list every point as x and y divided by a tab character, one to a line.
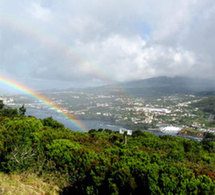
206	105
159	86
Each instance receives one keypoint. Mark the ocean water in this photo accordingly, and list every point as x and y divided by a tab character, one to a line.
90	124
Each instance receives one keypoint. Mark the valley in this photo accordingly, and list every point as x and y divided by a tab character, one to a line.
168	114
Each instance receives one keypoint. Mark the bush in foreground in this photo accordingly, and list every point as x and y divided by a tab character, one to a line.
100	163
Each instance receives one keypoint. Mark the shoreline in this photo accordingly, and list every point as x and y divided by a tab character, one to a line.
40	113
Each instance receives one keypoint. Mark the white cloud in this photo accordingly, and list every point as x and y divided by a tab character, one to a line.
122	58
78	41
40	13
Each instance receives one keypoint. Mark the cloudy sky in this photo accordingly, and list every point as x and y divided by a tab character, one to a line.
70	43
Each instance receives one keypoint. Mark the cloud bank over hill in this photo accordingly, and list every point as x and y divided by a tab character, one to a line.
82	43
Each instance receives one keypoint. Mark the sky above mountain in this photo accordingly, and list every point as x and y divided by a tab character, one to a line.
68	43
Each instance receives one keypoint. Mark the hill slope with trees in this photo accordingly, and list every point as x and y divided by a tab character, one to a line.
159	86
98	162
206	105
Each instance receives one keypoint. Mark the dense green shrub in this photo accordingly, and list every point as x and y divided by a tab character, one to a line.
99	162
50	122
9	112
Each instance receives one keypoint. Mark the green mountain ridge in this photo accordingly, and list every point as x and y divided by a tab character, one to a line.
158	86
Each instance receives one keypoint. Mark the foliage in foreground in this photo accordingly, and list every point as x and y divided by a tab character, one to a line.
99	162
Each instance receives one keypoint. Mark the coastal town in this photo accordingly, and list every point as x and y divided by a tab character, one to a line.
171	114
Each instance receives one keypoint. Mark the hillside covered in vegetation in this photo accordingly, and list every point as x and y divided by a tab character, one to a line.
159	87
98	162
207	105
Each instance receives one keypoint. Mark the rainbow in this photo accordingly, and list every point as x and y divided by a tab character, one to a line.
59	47
37	96
53	44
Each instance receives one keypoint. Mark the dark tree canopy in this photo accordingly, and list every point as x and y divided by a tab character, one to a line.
1	104
99	162
22	110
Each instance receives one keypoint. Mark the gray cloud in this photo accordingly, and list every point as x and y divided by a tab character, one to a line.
46	43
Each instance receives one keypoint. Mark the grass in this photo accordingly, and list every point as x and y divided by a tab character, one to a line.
192	130
25	184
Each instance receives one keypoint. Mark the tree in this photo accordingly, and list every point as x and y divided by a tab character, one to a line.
22	110
9	112
209	136
1	104
50	122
